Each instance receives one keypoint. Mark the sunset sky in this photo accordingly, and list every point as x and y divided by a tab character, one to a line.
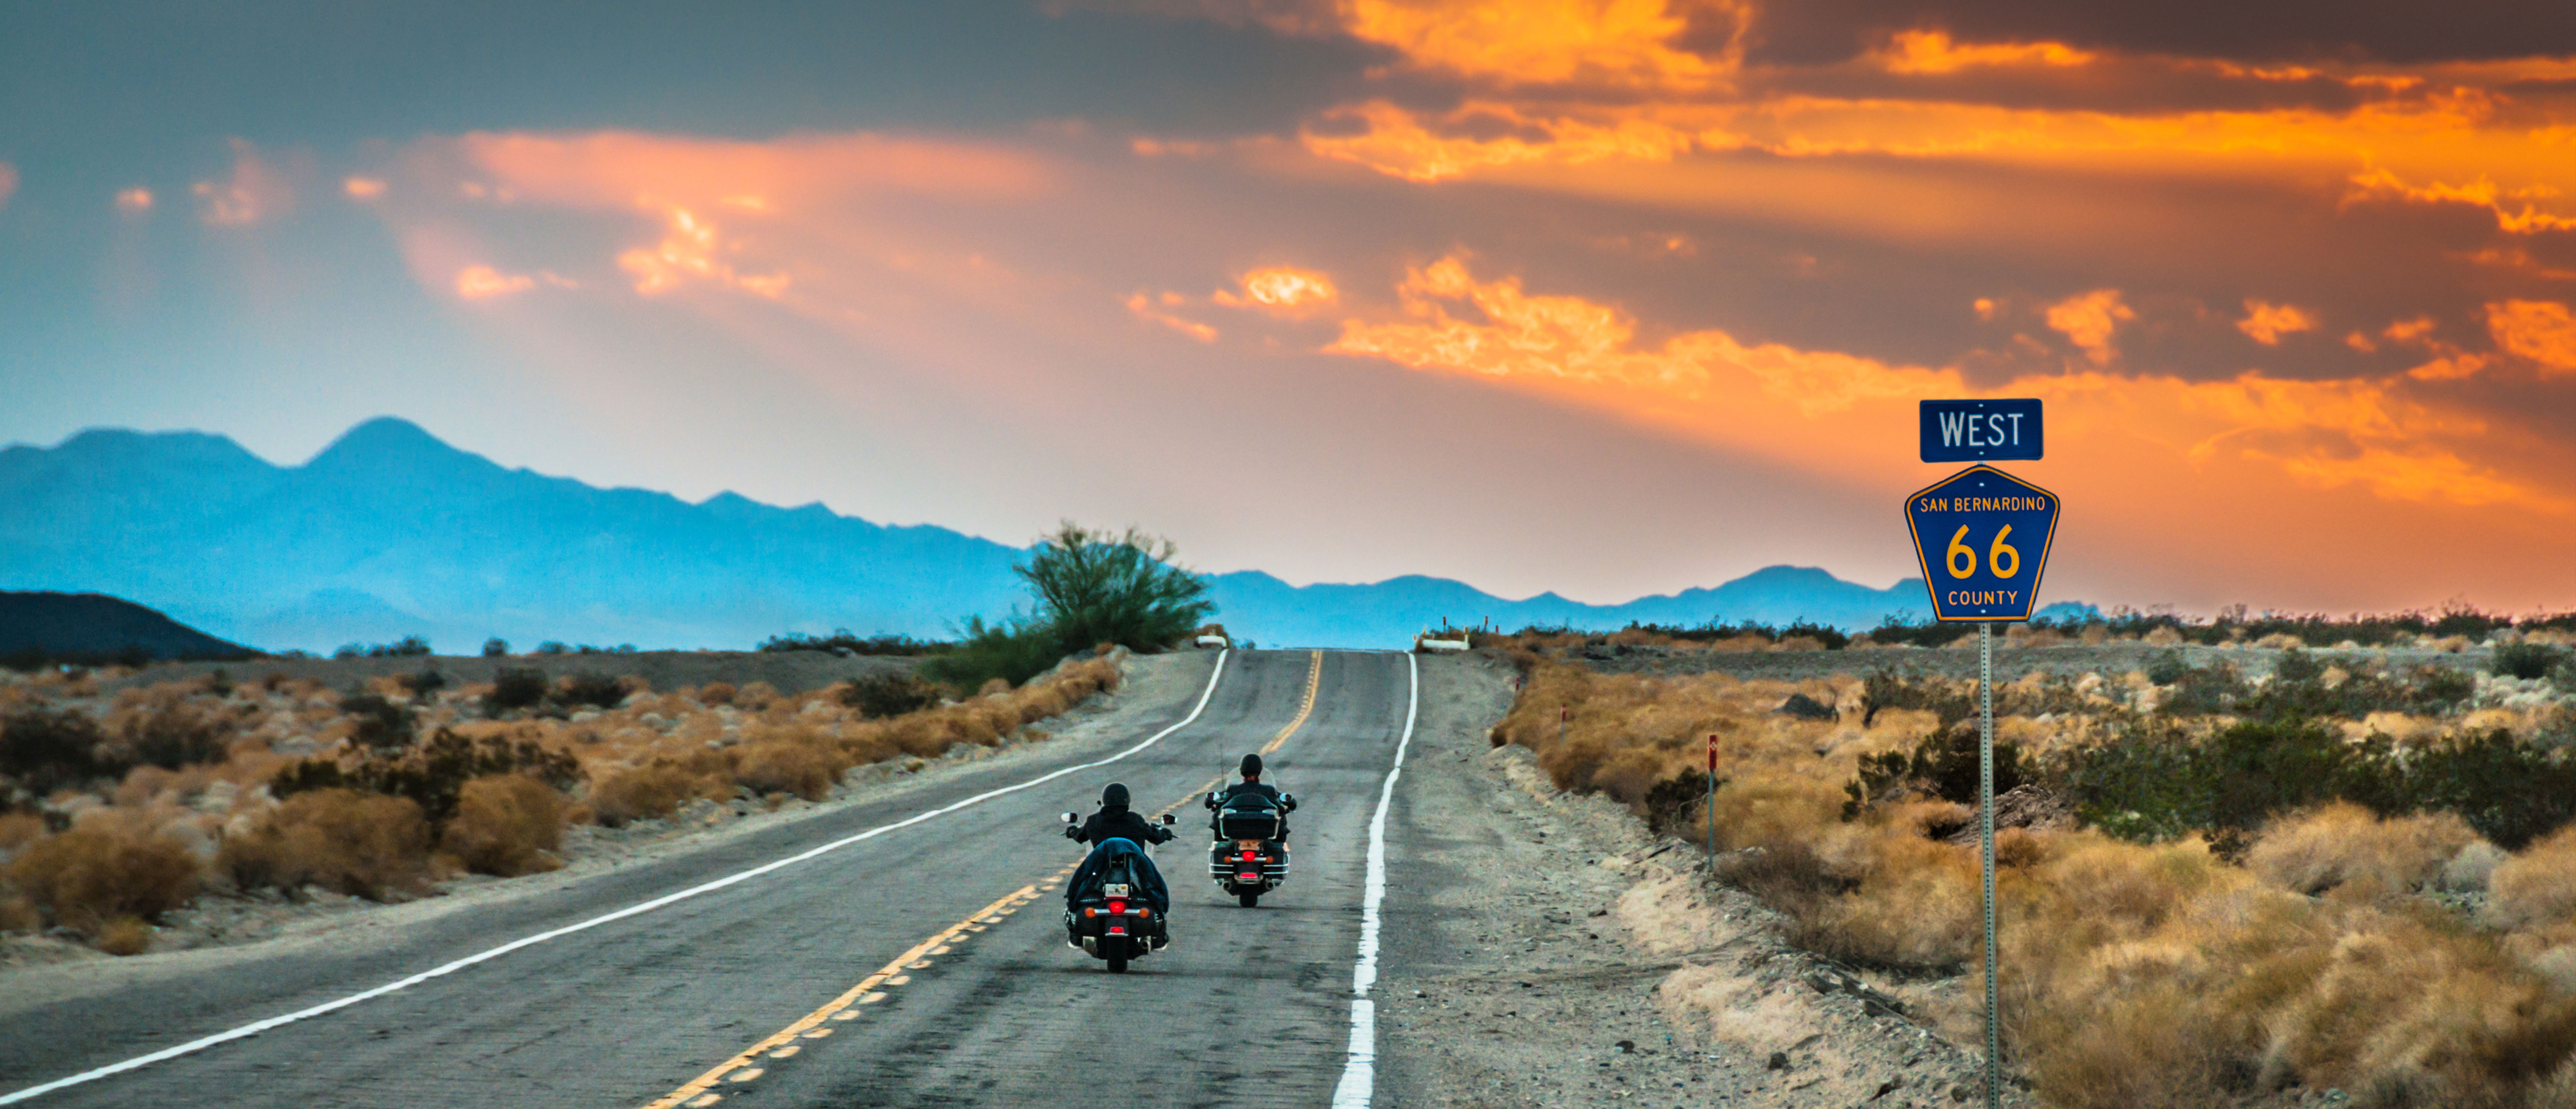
1609	297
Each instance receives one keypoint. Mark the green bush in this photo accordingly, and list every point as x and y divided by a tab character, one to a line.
2526	660
596	690
1094	588
1944	766
1014	651
515	688
2153	782
45	749
890	694
381	723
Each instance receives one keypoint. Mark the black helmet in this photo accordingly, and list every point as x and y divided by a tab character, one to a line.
1252	766
1113	797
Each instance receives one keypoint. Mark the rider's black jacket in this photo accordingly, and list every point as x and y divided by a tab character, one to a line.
1120	824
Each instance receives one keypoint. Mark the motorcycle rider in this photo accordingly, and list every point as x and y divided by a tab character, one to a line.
1251	784
1115	821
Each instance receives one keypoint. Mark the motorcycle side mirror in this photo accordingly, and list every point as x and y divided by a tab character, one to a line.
1167	819
1069	818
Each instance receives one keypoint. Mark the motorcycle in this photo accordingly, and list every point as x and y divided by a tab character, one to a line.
1115	920
1249	857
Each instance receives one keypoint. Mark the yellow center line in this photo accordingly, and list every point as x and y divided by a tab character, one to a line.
1314	680
891	971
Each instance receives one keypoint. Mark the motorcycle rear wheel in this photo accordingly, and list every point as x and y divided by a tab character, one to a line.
1247	898
1118	964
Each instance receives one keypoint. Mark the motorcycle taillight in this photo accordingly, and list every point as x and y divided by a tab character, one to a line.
1117	907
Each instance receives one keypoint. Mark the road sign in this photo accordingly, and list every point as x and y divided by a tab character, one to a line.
1982	536
1993	430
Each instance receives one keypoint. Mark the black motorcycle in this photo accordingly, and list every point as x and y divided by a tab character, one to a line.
1249	857
1114	919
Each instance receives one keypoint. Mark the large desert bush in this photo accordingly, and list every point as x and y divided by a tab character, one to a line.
362	844
2339	843
506	825
45	749
103	870
647	792
2537	886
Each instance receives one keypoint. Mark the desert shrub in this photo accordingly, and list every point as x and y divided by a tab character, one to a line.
1012	651
423	682
364	845
175	734
19	829
596	690
2296	665
553	647
1946	766
785	766
2537	886
2340	842
515	688
506	825
496	647
1950	702
48	749
890	694
124	935
380	723
2156	782
642	793
2526	660
105	869
433	774
716	693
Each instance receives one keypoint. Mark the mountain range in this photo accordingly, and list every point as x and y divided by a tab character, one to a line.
390	532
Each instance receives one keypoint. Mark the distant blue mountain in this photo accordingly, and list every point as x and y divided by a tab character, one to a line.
390	532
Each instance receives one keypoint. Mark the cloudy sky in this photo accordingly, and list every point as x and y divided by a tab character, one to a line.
1608	297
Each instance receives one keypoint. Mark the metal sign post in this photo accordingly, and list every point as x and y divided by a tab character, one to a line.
1988	534
1712	804
1986	836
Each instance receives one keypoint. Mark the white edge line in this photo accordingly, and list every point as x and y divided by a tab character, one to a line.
1359	1075
256	1027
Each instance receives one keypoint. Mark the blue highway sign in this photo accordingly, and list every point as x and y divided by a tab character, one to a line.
1981	430
1983	538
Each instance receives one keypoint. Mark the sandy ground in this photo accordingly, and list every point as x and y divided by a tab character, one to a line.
1569	959
1959	660
36	970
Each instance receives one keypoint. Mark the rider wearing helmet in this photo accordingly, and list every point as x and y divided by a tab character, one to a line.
1115	821
1251	785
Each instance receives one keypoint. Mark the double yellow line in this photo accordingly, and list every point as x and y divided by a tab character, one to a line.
745	1066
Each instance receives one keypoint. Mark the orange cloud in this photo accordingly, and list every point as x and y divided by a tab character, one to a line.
134	200
8	181
254	193
2088	320
691	249
2528	220
1933	52
1623	42
2266	323
1283	289
363	188
1144	309
484	283
619	169
2542	331
1771	397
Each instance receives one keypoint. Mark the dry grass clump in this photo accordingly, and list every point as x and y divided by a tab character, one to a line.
2537	886
361	844
124	936
785	766
2340	843
506	825
107	868
648	792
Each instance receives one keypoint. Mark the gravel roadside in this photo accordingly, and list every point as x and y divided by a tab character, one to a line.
1545	950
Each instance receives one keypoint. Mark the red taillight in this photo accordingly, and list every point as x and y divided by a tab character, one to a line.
1117	907
1249	856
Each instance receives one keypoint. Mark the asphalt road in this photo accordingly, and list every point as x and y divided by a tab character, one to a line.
930	958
